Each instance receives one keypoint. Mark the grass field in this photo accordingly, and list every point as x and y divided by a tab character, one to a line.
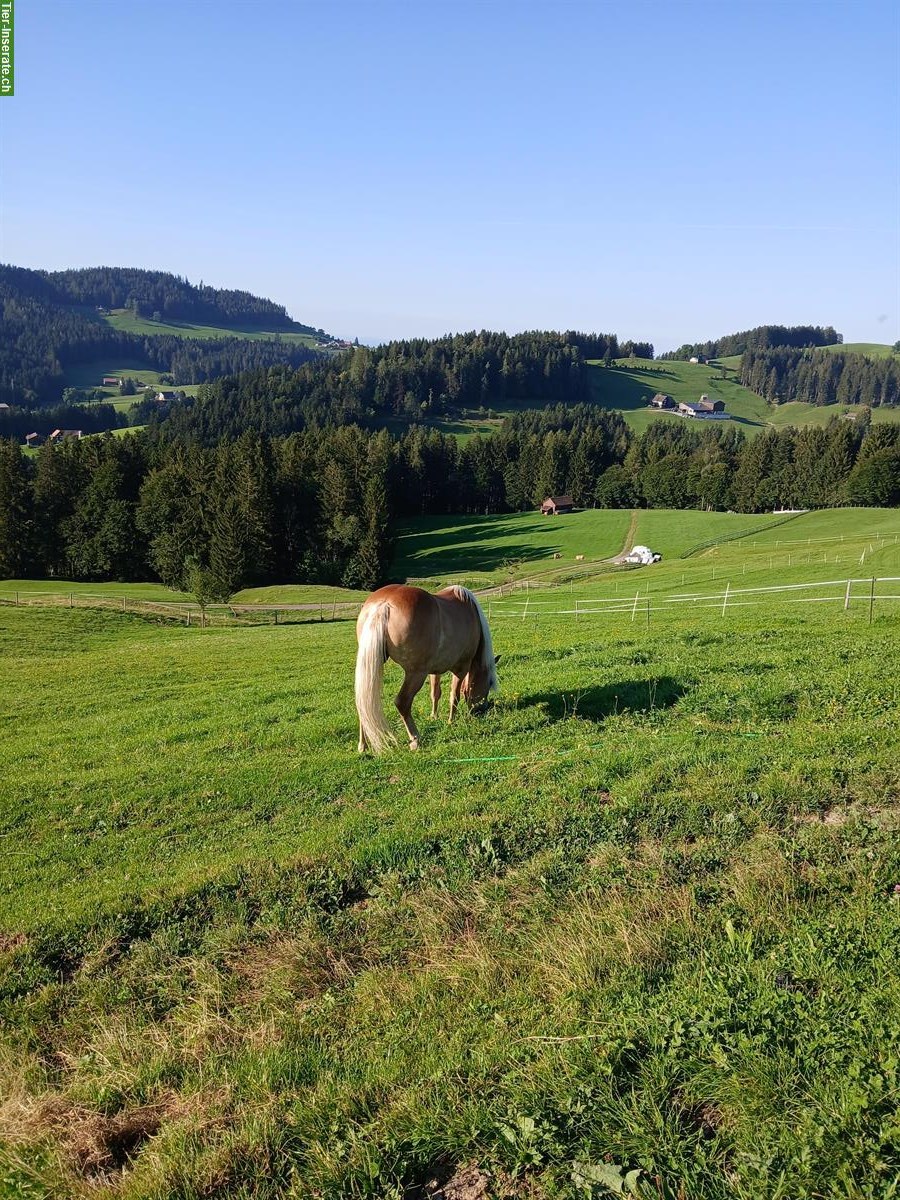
90	375
480	551
125	320
486	551
638	923
629	387
869	349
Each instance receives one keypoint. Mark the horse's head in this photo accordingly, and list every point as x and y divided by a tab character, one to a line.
479	683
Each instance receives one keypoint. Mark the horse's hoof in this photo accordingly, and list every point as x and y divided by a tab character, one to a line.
414	744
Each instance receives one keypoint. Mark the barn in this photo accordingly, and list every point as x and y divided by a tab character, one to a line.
554	505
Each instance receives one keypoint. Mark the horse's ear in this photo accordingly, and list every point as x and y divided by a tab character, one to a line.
497	658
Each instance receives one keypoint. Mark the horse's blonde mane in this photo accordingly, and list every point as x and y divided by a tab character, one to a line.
487	648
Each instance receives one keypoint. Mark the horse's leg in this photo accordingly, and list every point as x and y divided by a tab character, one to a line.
412	682
363	745
435	694
455	689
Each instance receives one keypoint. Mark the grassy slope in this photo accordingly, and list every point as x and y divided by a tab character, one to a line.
647	922
129	323
479	551
629	387
869	349
89	375
305	593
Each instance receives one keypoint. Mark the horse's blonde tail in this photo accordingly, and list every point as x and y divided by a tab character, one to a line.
370	659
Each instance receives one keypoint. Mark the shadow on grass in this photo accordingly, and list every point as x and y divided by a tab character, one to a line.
598	703
470	545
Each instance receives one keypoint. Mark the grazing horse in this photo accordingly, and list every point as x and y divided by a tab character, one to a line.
426	635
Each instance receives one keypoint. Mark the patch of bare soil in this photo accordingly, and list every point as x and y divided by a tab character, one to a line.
97	1147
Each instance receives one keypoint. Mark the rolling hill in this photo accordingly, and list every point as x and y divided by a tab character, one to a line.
70	328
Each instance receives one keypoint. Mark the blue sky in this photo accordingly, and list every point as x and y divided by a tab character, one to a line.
668	172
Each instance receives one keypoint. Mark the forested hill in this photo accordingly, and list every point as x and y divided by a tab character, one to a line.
760	338
410	381
157	295
52	322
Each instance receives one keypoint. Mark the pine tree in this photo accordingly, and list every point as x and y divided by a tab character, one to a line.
15	512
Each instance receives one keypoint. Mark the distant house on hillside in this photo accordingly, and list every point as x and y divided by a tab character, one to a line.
4	408
703	408
554	505
111	381
661	400
65	435
698	358
161	396
34	440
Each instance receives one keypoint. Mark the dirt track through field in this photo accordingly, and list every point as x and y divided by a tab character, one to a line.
629	540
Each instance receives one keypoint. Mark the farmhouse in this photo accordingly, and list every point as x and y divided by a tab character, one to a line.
4	408
161	396
111	381
65	435
703	408
554	505
34	440
661	400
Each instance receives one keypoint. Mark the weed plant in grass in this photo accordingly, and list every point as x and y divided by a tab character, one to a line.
639	922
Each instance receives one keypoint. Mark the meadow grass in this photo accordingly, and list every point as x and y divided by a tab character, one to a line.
125	320
867	349
646	924
639	922
629	386
481	551
288	593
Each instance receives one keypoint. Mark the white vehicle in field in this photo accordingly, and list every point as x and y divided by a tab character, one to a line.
642	555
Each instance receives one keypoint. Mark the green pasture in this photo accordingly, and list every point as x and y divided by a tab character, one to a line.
482	551
868	349
629	386
486	551
90	375
125	320
632	932
304	593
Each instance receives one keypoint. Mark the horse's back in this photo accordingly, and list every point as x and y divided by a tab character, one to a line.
411	608
424	631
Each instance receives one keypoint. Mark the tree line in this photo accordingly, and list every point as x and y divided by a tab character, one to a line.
410	381
317	505
759	338
821	377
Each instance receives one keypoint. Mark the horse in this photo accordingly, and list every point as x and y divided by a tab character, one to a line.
426	635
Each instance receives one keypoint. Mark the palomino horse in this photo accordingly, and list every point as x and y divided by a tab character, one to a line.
426	635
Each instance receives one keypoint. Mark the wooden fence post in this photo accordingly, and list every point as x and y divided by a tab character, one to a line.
634	607
871	599
725	601
847	595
